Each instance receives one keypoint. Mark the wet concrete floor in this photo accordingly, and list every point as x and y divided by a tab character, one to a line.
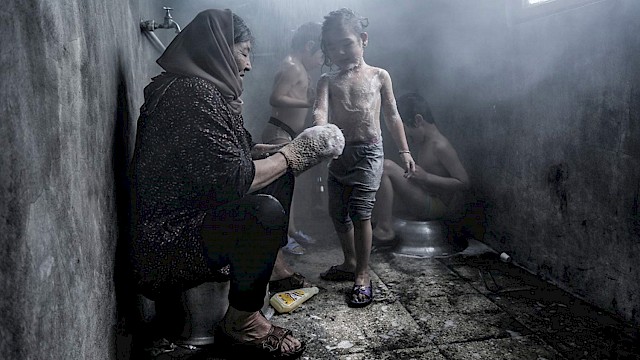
466	306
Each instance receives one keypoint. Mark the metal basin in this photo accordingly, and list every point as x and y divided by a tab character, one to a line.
422	238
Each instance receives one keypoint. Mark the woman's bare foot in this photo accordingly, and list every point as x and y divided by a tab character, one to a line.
245	327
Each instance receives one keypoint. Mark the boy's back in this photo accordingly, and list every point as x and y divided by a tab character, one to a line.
429	155
292	82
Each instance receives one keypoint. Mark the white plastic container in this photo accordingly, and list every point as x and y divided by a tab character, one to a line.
287	301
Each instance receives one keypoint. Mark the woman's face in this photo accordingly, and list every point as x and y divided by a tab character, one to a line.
241	52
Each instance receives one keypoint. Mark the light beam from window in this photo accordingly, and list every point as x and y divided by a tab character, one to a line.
536	2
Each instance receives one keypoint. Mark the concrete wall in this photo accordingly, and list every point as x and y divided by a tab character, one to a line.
72	79
544	109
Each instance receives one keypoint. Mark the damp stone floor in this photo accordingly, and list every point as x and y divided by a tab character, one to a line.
467	306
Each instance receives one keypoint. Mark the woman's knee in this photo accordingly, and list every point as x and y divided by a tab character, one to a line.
268	211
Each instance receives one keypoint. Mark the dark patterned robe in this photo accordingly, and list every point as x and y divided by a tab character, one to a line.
191	155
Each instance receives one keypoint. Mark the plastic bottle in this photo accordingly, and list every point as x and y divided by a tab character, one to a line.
287	301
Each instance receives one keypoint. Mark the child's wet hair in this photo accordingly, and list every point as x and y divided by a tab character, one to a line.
310	31
345	17
412	104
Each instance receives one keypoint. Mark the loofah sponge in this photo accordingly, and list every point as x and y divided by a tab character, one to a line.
312	146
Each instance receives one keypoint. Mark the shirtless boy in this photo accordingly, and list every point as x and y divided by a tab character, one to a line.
351	97
433	190
292	93
291	97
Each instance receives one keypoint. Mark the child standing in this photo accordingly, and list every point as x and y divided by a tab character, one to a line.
352	97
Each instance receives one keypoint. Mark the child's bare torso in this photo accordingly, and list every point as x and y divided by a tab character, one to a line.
294	117
354	102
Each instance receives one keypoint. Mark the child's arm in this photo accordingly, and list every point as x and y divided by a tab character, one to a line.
321	106
394	122
282	84
449	158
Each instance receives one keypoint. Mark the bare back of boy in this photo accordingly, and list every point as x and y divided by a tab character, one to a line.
429	158
439	173
428	154
292	94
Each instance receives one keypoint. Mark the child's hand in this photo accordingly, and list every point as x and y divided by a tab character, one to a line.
408	163
417	175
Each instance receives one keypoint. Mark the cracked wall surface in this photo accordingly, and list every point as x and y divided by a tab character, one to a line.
544	112
72	78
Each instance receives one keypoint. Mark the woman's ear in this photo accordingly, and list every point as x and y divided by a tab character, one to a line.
365	38
419	120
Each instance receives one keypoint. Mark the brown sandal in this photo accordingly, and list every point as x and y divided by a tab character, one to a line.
295	281
269	346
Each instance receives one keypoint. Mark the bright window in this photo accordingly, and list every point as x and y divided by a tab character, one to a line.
524	10
535	2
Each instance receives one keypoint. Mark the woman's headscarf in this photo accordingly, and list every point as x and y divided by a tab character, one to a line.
204	48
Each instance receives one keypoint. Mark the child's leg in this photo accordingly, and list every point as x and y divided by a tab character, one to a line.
383	210
294	201
344	271
362	291
295	234
348	250
338	198
362	244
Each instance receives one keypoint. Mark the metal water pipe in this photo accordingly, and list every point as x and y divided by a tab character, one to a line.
168	23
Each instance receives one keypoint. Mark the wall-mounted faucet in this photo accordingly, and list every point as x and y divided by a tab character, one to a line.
168	23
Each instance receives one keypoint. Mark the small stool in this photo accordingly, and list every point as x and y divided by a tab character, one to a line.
423	238
204	306
191	317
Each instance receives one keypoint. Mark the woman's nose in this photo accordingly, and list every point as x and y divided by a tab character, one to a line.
247	66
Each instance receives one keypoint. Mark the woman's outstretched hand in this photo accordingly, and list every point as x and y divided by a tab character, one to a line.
312	146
